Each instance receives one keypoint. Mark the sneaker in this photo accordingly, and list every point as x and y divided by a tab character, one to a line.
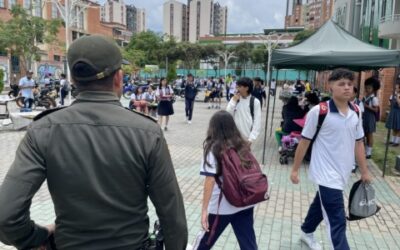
165	128
310	241
189	122
209	107
368	157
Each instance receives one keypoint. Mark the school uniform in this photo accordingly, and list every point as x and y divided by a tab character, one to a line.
240	218
165	107
369	118
393	121
331	164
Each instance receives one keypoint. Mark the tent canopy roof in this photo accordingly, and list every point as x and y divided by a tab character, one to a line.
332	47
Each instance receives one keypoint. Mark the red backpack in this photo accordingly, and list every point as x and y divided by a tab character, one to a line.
242	186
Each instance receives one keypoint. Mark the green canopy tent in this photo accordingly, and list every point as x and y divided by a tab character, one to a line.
332	47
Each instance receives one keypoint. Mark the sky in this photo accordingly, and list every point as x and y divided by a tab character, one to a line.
244	16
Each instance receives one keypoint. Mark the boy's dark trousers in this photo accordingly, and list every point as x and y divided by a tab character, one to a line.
63	95
189	108
328	204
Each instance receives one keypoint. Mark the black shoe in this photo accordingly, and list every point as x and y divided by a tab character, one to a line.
394	144
368	156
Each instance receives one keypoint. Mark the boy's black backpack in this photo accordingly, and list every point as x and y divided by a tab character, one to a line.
323	111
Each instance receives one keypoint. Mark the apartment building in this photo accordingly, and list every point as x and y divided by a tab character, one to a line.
310	14
175	17
113	11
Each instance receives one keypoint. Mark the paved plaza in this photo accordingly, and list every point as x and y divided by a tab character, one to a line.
277	221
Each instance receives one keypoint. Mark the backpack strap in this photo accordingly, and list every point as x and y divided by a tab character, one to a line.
323	111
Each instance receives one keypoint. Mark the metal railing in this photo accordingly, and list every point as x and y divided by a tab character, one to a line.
391	18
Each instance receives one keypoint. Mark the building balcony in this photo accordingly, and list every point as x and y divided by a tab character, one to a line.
389	27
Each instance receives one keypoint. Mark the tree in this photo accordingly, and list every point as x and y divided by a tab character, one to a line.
148	43
243	53
191	53
23	32
259	56
171	75
302	35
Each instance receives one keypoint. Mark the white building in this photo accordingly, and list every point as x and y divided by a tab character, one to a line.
113	11
141	20
347	15
176	20
206	18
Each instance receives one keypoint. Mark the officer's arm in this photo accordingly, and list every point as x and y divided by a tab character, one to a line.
166	196
24	178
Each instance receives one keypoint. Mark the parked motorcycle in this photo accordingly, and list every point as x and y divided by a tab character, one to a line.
43	98
14	92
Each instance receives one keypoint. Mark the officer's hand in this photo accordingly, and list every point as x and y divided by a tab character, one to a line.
294	177
204	221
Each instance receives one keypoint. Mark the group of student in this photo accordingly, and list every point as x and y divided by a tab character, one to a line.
341	134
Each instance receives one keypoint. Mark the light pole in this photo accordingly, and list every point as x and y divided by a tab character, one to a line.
69	17
226	55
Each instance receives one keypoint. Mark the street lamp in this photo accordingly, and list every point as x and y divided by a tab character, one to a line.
226	55
69	17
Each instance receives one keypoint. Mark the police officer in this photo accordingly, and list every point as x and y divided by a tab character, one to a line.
101	162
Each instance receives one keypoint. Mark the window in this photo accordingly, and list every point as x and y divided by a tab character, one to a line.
14	64
38	8
54	10
27	4
11	3
57	58
2	4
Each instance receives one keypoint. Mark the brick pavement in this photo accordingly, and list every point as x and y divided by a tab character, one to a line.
277	221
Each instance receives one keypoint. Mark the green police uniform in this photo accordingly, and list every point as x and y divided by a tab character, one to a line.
102	163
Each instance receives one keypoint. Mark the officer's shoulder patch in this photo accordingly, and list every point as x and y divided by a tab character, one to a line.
144	115
46	112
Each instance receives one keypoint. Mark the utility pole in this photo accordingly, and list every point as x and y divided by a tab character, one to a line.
70	17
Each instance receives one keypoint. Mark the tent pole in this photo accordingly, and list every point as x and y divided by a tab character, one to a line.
359	84
273	105
266	117
396	73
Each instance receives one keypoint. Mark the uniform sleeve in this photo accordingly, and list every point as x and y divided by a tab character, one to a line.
310	126
209	170
359	128
255	131
133	96
375	102
231	106
22	181
21	82
166	196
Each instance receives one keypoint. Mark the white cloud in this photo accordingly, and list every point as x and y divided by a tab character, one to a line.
244	16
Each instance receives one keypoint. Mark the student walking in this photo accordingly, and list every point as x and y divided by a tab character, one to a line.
393	122
371	109
259	91
222	133
246	110
339	140
165	108
190	96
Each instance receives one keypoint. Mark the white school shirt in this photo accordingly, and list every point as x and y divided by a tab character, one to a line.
332	157
24	82
232	88
225	207
242	116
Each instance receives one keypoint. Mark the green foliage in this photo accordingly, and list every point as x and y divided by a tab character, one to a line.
23	32
148	44
1	80
302	35
238	71
171	74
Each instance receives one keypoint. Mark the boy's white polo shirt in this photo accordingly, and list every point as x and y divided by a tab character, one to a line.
332	157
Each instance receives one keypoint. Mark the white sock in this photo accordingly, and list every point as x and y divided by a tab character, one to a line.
393	139
368	150
396	139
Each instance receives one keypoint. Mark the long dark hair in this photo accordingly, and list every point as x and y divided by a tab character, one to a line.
222	134
160	85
